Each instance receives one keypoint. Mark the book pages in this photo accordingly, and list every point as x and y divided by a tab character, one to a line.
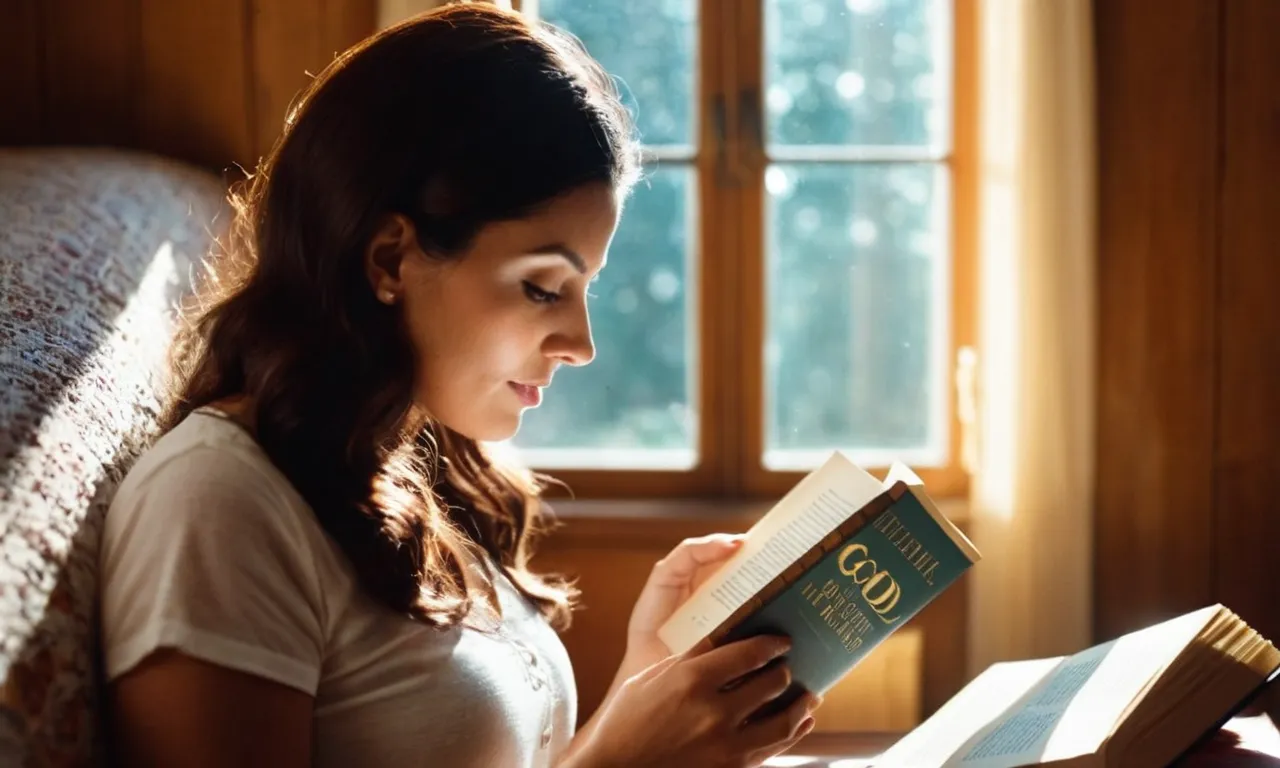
1025	713
814	508
979	703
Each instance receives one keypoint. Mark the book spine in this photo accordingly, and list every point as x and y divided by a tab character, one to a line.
853	590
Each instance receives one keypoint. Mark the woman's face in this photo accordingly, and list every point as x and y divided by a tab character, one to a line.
489	329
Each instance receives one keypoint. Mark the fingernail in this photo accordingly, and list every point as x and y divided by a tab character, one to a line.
782	646
814	701
806	726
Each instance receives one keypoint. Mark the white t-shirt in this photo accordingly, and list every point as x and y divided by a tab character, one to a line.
209	549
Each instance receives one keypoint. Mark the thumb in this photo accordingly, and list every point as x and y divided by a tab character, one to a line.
683	562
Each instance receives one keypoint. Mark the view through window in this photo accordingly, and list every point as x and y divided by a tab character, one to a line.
842	203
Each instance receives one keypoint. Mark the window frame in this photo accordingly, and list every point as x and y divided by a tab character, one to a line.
728	261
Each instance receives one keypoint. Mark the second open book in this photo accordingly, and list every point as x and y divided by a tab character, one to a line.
1138	701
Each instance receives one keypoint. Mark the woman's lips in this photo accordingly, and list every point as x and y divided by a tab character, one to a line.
529	395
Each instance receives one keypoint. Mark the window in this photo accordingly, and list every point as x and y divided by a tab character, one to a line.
792	274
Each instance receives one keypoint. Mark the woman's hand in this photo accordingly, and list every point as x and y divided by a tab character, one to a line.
678	712
671	582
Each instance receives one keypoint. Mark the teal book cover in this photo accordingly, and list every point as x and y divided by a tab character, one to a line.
867	579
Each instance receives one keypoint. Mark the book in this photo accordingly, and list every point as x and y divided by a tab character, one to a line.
1143	699
838	565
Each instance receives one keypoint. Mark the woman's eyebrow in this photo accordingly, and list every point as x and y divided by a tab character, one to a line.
560	249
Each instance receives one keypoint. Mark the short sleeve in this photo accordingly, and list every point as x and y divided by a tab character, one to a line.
205	554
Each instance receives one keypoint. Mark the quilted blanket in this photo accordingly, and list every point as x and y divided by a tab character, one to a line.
96	248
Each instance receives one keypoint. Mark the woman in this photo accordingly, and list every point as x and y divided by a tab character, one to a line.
318	563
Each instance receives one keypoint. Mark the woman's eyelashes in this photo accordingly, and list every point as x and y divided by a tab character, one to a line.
539	295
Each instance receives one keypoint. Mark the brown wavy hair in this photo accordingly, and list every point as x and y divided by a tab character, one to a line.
457	118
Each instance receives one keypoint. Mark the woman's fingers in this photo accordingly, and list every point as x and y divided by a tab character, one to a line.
720	666
775	730
761	755
759	689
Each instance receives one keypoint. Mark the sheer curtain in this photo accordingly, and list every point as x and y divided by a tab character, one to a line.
1032	491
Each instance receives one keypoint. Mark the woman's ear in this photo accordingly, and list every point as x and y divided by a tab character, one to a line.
394	240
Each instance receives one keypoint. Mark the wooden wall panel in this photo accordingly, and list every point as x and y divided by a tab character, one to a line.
92	62
195	97
1248	457
208	81
287	43
294	40
21	72
345	23
1158	228
1189	111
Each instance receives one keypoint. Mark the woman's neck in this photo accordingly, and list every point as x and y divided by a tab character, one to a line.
238	408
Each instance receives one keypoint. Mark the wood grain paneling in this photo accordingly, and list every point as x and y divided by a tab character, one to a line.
93	61
292	41
1248	456
195	99
206	81
22	65
1158	228
1189	451
288	43
344	23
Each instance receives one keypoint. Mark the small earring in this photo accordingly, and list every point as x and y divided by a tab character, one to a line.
387	297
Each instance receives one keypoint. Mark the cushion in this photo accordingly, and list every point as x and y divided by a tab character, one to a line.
96	248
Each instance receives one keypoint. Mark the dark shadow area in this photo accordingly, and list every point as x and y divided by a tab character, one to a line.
61	650
1225	744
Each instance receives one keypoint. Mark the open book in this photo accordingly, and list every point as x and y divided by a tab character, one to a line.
838	565
1137	701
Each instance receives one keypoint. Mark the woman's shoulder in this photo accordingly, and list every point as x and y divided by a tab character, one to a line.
208	464
205	445
205	550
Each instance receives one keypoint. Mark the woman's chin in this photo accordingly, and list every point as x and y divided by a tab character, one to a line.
493	430
484	425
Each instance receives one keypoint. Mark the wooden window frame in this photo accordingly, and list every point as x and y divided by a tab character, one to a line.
730	160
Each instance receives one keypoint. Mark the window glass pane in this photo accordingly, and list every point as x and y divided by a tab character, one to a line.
650	46
632	406
869	72
857	313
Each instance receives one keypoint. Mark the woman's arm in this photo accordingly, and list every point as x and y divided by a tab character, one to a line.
176	710
626	670
672	580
